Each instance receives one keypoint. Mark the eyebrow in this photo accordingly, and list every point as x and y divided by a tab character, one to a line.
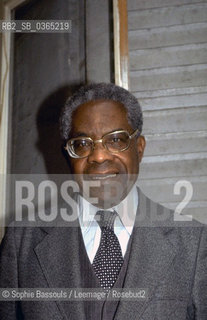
83	134
80	134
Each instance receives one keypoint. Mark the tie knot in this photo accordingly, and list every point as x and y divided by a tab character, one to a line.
105	219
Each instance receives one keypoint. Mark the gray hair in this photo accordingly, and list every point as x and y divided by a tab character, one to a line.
101	91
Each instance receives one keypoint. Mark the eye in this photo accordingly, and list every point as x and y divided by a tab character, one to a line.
81	143
116	139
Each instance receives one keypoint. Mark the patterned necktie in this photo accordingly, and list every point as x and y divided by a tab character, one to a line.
108	259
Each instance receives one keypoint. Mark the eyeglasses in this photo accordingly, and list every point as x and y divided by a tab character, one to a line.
114	142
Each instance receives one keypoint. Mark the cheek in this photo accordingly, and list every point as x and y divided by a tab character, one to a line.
129	163
132	161
77	165
133	165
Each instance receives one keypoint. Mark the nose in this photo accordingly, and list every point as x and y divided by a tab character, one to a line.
99	154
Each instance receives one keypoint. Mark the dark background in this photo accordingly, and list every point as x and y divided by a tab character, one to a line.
47	68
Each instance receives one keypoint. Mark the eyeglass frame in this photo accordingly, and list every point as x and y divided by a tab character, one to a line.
73	155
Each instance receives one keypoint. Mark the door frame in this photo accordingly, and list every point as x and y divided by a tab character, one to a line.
6	54
121	51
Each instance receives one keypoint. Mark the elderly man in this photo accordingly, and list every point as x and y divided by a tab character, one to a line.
119	240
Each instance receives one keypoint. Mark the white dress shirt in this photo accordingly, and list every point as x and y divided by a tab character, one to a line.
123	224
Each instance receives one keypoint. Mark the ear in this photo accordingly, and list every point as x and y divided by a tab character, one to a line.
141	143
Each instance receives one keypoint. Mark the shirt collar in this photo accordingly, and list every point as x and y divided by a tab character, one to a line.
126	210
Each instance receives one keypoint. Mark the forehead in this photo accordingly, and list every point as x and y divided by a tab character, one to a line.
100	116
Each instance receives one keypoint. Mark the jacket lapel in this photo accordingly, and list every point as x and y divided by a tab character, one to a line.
152	253
59	258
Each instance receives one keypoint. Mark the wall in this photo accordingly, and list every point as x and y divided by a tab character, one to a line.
168	64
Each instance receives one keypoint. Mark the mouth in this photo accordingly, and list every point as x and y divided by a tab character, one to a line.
103	176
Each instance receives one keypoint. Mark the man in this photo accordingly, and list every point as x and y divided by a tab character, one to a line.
122	239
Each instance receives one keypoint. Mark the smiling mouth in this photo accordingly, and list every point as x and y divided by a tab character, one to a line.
103	176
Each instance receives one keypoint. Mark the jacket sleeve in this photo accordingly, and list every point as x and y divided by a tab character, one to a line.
199	289
9	310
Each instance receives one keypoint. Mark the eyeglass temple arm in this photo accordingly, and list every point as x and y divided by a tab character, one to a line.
134	134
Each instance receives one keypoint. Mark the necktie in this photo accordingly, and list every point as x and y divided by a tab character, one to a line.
108	259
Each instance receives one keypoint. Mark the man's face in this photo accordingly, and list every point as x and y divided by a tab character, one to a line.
111	175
